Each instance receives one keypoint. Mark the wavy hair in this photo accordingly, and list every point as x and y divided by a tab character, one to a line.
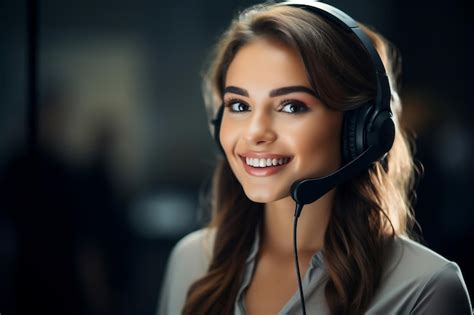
368	211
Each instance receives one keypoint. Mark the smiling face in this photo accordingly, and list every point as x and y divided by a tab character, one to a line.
274	129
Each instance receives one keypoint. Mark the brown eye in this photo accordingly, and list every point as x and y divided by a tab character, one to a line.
236	106
294	107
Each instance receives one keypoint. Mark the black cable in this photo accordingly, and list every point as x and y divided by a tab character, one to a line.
295	248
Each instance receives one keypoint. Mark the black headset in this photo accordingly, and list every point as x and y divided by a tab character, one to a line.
368	131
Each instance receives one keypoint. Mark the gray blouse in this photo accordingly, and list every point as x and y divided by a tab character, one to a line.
415	281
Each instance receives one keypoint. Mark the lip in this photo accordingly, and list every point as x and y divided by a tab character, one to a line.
263	171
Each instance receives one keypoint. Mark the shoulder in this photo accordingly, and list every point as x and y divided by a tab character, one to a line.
417	280
196	245
412	258
188	261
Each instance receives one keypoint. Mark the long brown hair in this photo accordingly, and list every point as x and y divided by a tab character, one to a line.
368	210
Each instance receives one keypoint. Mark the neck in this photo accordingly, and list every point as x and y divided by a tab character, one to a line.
312	224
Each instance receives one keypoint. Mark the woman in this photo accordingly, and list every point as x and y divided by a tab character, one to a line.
286	78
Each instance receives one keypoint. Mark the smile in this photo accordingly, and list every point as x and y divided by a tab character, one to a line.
256	162
265	165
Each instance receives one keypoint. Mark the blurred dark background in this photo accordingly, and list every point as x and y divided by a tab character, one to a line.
101	174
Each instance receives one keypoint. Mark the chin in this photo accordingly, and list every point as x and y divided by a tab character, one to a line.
265	196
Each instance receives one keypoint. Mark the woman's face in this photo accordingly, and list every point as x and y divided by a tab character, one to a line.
274	129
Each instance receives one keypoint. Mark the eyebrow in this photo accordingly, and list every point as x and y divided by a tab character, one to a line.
275	92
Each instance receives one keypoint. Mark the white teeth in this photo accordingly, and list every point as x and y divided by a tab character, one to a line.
255	162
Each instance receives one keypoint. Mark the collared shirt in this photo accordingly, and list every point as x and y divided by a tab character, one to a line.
312	282
416	280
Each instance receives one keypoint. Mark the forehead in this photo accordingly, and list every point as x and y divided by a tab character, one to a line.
266	62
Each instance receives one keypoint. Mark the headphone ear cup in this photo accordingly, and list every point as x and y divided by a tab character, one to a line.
354	132
349	136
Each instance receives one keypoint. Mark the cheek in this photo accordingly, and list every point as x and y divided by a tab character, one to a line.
229	135
319	147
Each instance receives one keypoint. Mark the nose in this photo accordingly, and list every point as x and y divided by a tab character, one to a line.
260	128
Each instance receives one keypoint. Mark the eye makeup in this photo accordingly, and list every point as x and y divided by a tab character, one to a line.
299	107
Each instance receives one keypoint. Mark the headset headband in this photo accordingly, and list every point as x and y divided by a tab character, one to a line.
382	99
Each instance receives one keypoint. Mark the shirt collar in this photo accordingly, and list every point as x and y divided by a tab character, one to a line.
255	246
317	260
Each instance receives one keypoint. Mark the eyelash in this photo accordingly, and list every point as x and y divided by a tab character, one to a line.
302	107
